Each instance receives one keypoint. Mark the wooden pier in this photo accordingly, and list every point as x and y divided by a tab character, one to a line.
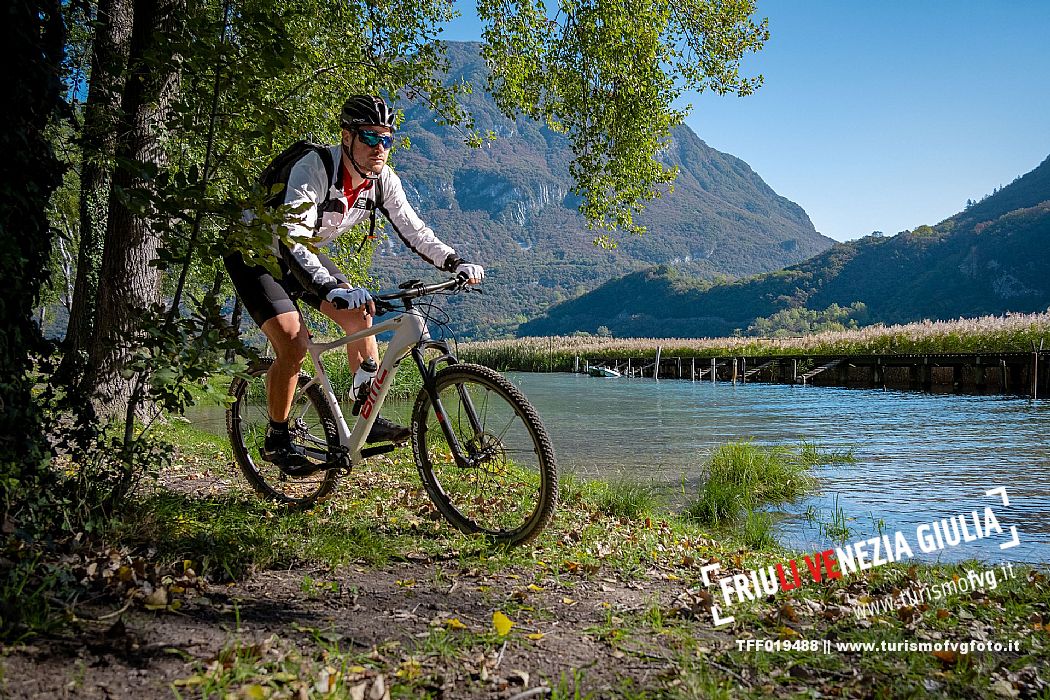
1018	373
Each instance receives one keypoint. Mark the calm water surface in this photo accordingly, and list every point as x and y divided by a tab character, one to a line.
920	457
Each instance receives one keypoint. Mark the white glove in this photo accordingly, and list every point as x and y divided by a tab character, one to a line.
348	298
474	273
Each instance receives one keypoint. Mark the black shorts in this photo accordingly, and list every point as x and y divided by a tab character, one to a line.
264	296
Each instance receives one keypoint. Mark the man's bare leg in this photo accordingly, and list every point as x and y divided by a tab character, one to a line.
352	321
288	336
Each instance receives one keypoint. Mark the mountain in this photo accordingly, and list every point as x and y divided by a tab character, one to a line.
991	258
508	206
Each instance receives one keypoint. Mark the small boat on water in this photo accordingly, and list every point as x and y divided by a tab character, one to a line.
602	372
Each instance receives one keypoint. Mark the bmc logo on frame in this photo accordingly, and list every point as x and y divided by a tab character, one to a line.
373	394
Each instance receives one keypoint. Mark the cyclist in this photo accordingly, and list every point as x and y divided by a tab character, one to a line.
335	203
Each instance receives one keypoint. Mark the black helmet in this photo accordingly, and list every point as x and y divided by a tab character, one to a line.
365	109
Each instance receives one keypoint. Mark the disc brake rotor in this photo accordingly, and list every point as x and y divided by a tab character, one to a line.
487	453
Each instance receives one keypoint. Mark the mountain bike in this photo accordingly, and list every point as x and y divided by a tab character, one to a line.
481	450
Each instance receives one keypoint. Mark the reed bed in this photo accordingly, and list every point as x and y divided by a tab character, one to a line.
1010	333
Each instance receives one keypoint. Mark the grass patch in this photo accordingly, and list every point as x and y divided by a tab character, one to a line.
627	587
742	477
757	530
624	498
33	595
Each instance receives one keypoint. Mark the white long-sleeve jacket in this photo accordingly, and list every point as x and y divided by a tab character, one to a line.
308	182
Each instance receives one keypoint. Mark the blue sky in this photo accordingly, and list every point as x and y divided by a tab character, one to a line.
884	115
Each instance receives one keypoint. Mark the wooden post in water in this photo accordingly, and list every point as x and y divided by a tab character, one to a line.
656	365
794	370
743	370
576	365
692	370
629	367
1035	373
679	368
734	370
714	369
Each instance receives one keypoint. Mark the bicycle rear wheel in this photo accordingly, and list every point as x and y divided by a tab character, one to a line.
505	482
312	428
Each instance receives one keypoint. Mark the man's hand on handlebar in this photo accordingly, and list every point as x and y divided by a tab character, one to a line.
351	298
471	272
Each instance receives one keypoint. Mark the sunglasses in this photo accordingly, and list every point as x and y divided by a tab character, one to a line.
374	138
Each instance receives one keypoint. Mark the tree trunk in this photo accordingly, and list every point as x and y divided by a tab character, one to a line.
235	324
128	285
33	35
102	117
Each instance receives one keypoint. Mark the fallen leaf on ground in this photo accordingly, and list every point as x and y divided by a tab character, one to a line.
946	657
157	600
502	623
519	677
252	692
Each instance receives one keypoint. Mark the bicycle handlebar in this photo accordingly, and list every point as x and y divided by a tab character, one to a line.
419	289
414	290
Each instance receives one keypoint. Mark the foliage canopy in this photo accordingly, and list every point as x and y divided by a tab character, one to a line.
608	74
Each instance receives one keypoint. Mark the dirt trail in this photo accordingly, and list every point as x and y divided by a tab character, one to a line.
389	615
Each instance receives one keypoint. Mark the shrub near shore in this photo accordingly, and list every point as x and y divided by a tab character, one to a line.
1015	333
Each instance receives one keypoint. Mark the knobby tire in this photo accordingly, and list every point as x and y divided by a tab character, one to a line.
510	494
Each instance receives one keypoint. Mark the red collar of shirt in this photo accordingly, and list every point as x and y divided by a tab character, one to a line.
351	192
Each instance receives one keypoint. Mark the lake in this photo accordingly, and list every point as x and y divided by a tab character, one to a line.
919	457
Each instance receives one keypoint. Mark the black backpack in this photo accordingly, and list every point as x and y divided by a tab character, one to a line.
276	173
280	168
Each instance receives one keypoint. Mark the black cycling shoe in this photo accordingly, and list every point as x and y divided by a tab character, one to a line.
279	450
384	430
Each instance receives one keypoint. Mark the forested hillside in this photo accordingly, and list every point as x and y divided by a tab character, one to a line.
991	258
508	206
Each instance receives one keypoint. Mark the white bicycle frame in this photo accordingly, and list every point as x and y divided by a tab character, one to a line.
410	328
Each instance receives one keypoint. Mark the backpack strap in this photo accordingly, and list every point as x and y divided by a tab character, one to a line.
371	235
329	169
329	165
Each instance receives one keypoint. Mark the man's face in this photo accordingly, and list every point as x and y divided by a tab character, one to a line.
368	158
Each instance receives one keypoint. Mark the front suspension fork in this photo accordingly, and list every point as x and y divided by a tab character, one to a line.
428	371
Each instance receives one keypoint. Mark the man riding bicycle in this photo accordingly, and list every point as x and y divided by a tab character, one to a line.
332	204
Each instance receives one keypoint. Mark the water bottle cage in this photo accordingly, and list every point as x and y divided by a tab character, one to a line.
362	394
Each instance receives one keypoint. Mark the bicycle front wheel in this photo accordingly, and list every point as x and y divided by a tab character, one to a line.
484	456
313	432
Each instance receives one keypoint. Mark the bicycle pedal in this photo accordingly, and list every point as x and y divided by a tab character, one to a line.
378	450
299	471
